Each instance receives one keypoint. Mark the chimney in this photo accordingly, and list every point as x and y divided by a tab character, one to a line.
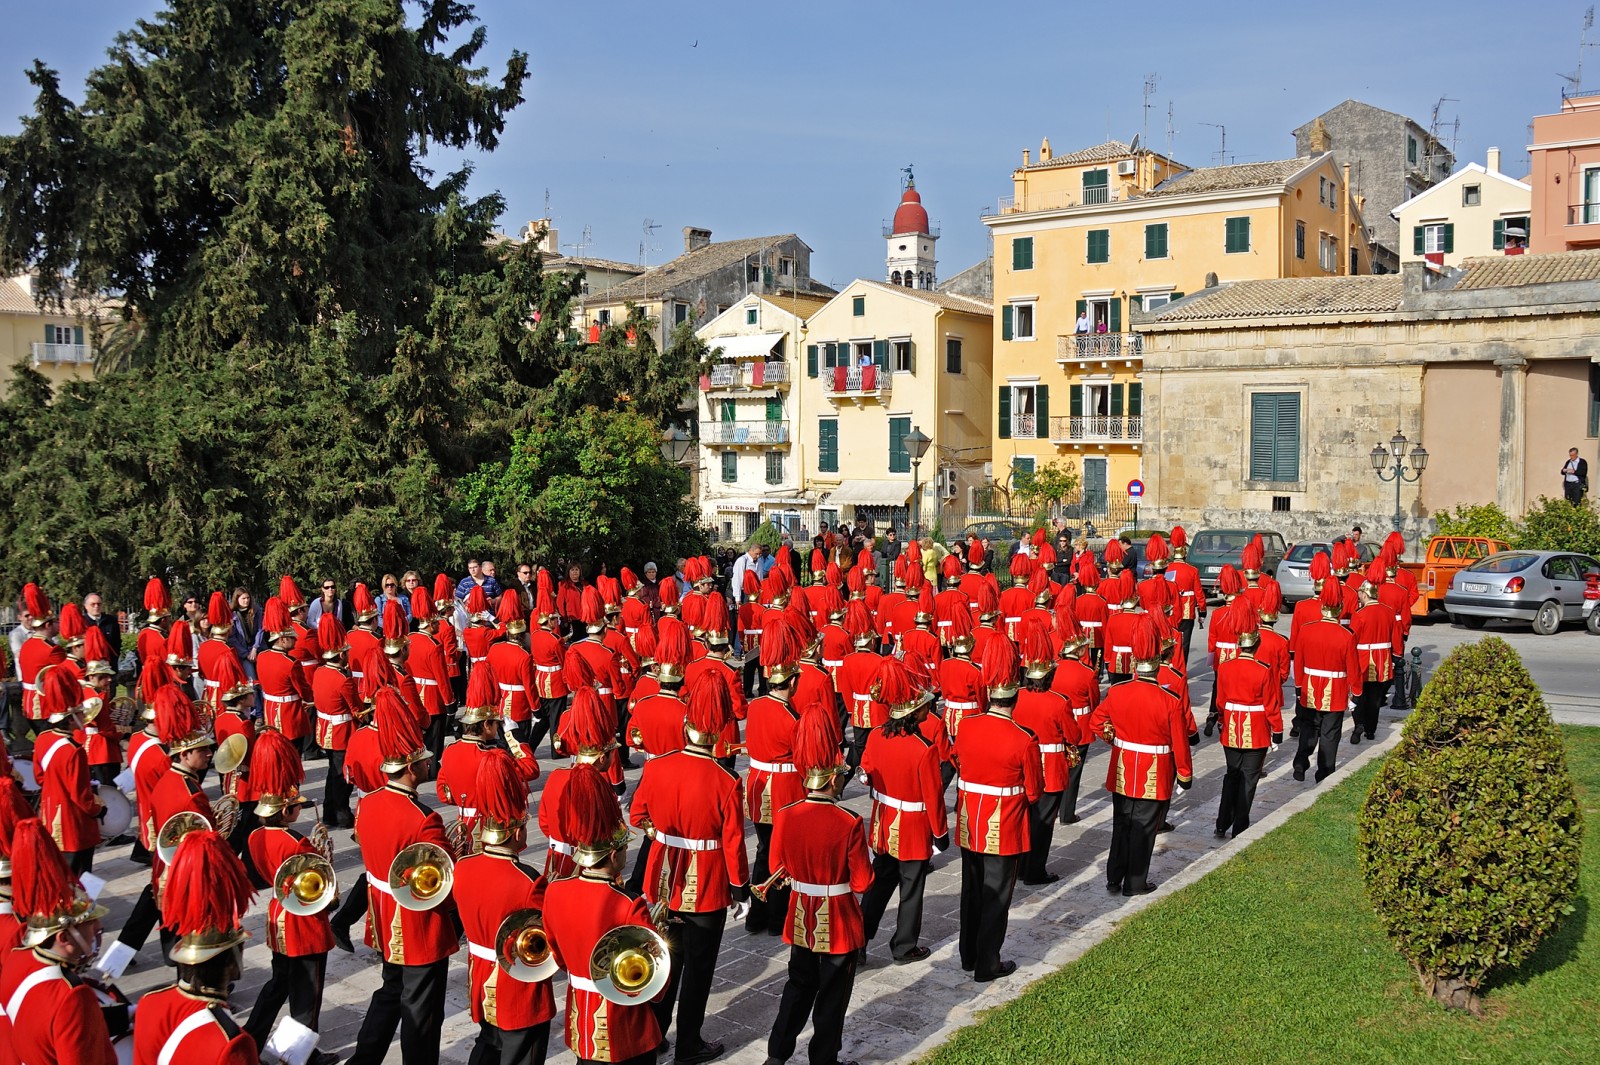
695	238
1025	156
1493	165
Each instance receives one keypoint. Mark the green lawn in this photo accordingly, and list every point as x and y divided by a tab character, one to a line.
1276	956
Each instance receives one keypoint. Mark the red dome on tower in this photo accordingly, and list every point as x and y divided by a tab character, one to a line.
910	216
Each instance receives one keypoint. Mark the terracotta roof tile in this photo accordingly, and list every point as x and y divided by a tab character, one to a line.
1227	178
1100	153
948	300
1502	271
693	265
1288	296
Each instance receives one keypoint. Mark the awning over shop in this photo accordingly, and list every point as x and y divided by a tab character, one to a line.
865	493
758	346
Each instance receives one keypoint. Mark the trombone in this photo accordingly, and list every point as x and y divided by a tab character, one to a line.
305	884
522	947
421	876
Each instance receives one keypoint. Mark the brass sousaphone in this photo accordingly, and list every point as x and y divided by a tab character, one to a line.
421	876
305	884
174	829
630	964
522	948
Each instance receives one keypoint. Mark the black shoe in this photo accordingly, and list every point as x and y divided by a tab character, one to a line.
914	954
1072	820
755	928
707	1052
1048	878
142	858
323	1057
629	763
1372	736
1220	833
1166	826
1299	774
1145	889
1355	737
1294	730
1112	889
341	937
967	967
1006	969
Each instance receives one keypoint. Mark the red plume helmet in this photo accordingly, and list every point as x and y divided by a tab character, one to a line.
44	894
207	892
1321	566
816	748
96	656
59	694
1155	551
366	608
421	605
71	627
14	809
177	723
157	599
951	567
331	636
975	555
710	708
275	619
644	645
629	581
988	601
781	648
858	623
901	685
819	561
180	646
1179	538
290	592
1246	622
276	772
1332	596
1229	582
511	617
832	575
444	592
218	617
1037	652
925	605
500	794
1146	644
1021	567
954	622
394	625
399	737
1088	575
856	581
668	590
750	587
1001	672
672	649
1113	554
588	728
483	696
1377	571
589	817
714	620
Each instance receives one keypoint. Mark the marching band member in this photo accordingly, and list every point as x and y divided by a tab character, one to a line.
1250	698
101	742
285	687
214	649
425	658
38	651
772	782
334	697
1380	639
1327	673
68	806
14	809
1049	716
588	730
549	655
514	674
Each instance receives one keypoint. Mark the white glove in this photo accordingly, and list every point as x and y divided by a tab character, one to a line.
739	911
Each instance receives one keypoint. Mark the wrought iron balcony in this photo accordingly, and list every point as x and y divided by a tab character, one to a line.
857	382
1099	346
744	433
1097	429
745	375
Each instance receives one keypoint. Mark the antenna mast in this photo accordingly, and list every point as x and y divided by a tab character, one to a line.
645	247
1575	79
1222	152
1149	91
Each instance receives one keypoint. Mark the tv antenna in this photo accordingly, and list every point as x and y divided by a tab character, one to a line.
1222	153
1149	91
582	246
1434	128
645	247
1169	131
1575	79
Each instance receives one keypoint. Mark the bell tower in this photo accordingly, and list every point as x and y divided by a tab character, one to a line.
912	261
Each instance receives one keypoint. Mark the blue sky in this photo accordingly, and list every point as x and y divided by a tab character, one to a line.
752	118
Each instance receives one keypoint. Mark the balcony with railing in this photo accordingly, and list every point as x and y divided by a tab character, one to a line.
856	382
1024	426
747	434
61	353
1099	346
729	375
1097	429
1584	214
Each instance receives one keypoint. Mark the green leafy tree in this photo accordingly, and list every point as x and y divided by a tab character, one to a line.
1046	485
1557	525
1484	519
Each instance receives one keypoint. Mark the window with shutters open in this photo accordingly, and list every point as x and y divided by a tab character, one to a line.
899	454
1275	436
1434	238
1502	224
828	445
1021	321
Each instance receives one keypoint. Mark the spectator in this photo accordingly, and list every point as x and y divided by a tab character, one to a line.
246	638
391	590
1083	322
569	600
650	590
525	587
765	563
684	587
1355	534
891	545
1130	554
94	612
1575	476
477	576
750	560
194	612
933	553
327	602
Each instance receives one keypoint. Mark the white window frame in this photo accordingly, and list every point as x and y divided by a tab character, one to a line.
61	334
1589	195
897	347
1433	238
1018	430
1151	300
1016	320
752	316
1472	195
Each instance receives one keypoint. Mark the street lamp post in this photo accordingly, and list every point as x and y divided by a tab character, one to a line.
675	445
1389	463
917	443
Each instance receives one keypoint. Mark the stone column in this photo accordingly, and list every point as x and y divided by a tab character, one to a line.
1510	491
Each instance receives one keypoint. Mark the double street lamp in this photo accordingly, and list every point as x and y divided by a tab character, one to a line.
1389	463
676	445
917	443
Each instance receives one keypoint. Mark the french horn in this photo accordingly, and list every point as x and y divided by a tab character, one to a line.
124	712
177	826
630	964
522	947
231	754
305	884
421	876
226	812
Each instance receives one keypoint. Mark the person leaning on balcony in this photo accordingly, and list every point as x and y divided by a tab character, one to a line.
1101	326
1083	322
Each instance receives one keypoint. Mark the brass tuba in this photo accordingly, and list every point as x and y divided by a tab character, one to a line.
522	947
305	884
421	876
630	964
174	829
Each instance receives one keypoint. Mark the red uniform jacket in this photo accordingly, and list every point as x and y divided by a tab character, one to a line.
961	683
449	648
855	678
488	887
645	686
823	849
1191	598
362	761
513	676
981	635
1049	717
362	642
1326	670
1250	702
67	803
1092	614
101	741
908	811
1274	651
387	821
1014	602
284	693
1378	640
1178	684
427	667
696	809
569	599
1305	612
548	654
659	721
478	638
206	660
175	792
412	696
151	645
1398	599
148	762
578	911
1079	684
1119	639
58	1022
1222	639
558	861
627	662
1150	743
924	643
888	617
291	934
1000	775
813	687
334	694
603	662
458	772
36	653
772	782
229	723
175	1026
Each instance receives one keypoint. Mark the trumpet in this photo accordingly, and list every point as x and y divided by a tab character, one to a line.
421	876
461	835
630	964
522	947
174	829
778	879
305	884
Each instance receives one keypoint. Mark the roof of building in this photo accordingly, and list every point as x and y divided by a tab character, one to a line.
14	299
1508	271
693	265
910	216
948	300
1470	170
1233	177
1288	296
799	304
1351	103
1100	153
558	262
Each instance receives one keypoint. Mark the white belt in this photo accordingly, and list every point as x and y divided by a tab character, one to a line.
213	684
582	983
356	674
28	687
772	767
951	704
1227	646
281	698
380	886
1052	748
987	789
512	688
897	804
547	669
684	843
752	632
1013	621
602	691
468	812
479	951
1189	595
1373	646
1091	624
832	663
560	847
1245	708
5	908
191	1024
1328	673
861	698
426	682
1129	650
335	719
1085	712
485	658
1142	748
818	890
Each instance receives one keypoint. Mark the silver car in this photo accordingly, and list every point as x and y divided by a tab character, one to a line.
1294	572
1542	587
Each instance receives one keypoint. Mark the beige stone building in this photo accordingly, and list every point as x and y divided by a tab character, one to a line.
1470	213
58	341
1265	398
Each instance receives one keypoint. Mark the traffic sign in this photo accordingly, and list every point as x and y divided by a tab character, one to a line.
1135	490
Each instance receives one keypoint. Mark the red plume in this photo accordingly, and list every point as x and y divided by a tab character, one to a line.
588	813
499	792
710	703
218	616
751	585
180	644
974	555
1021	566
672	643
668	590
290	592
330	634
1242	612
36	601
1332	594
14	809
275	766
857	619
155	676
41	884
590	721
175	716
988	600
444	590
275	617
481	688
1036	646
1113	552
399	737
1229	582
780	643
855	581
157	596
421	605
576	671
1146	640
207	887
363	603
1178	537
816	743
394	620
629	581
714	617
1000	665
1271	597
1156	549
896	684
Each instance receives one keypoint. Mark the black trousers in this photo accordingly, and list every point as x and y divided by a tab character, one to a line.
354	906
768	916
141	919
624	715
1374	693
518	1046
636	878
1319	731
1041	831
545	720
410	999
987	883
858	746
1133	841
1069	798
889	873
649	1057
755	682
1239	787
818	990
239	838
80	861
336	795
695	939
1186	632
297	981
433	738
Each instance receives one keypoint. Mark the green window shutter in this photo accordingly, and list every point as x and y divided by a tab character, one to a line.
1236	234
1005	411
1263	433
1286	453
1135	400
1075	401
1275	436
911	356
858	306
1449	237
774	410
730	466
1041	412
726	407
1419	240
1083	305
811	360
1155	241
77	335
1135	303
1176	296
828	446
1116	400
1099	246
1115	325
1499	234
899	457
1005	322
880	353
1022	253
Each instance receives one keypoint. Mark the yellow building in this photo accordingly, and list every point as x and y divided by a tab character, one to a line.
882	360
1466	215
54	340
1089	240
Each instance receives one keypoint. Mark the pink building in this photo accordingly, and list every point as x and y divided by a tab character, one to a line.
1566	177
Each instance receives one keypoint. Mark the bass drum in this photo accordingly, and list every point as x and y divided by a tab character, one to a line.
119	811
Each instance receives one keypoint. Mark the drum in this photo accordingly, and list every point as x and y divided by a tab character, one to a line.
119	811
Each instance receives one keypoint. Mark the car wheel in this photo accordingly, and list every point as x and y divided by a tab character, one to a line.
1548	619
1468	620
1594	621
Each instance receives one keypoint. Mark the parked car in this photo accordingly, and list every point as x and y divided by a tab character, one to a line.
1294	572
1447	556
1211	549
1545	588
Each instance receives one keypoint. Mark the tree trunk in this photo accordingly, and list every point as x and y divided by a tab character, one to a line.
1454	992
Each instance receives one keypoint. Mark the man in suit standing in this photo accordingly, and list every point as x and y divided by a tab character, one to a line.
1575	476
